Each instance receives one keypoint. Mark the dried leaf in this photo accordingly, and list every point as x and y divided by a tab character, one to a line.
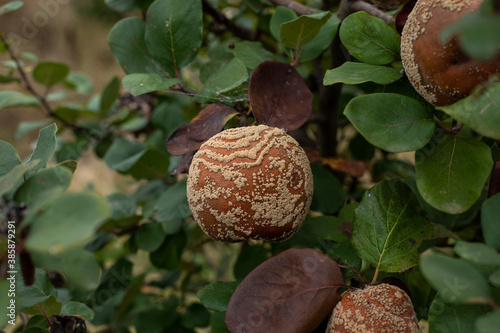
353	168
189	137
290	292
279	96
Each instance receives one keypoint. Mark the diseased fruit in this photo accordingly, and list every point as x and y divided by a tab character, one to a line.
250	182
388	3
441	73
374	309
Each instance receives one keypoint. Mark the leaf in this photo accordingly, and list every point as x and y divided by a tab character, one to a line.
393	122
279	96
14	178
79	82
123	154
50	73
68	222
251	53
142	83
293	291
13	98
189	137
78	266
150	236
389	227
479	111
488	323
153	164
294	34
174	32
281	15
26	127
369	39
45	186
357	72
9	159
172	204
48	307
126	40
228	77
168	255
40	291
329	195
109	95
456	280
477	253
196	315
451	172
45	147
72	308
216	295
10	7
249	257
489	221
452	318
322	41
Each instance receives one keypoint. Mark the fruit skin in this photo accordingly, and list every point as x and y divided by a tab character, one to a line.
374	309
388	3
441	73
250	182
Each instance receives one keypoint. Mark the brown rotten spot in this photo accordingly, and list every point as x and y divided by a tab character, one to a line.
250	182
440	72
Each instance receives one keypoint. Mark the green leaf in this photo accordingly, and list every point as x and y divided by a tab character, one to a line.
169	254
249	257
174	32
216	295
494	278
150	236
50	73
280	16
5	302
251	53
10	7
40	291
14	178
456	280
109	95
79	82
369	39
294	34
357	72
142	83
329	195
489	221
477	253
226	78
451	172
45	147
123	154
14	98
9	159
72	112
172	204
8	78
114	280
45	186
153	164
389	227
48	307
72	308
452	318
78	266
479	111
393	122
26	127
488	323
322	41
126	40
68	222
196	315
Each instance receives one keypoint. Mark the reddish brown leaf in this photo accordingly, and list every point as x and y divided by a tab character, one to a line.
279	96
402	15
189	137
354	168
290	292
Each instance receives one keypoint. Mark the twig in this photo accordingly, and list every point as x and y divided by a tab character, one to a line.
358	5
298	8
238	31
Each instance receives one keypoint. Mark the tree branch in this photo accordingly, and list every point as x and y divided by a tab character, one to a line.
347	7
298	8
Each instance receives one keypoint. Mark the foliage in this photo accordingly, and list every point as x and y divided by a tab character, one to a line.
402	189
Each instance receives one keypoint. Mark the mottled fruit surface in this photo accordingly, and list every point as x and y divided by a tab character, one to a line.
441	72
250	182
382	308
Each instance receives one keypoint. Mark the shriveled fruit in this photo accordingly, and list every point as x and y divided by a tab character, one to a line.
374	309
250	182
441	72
